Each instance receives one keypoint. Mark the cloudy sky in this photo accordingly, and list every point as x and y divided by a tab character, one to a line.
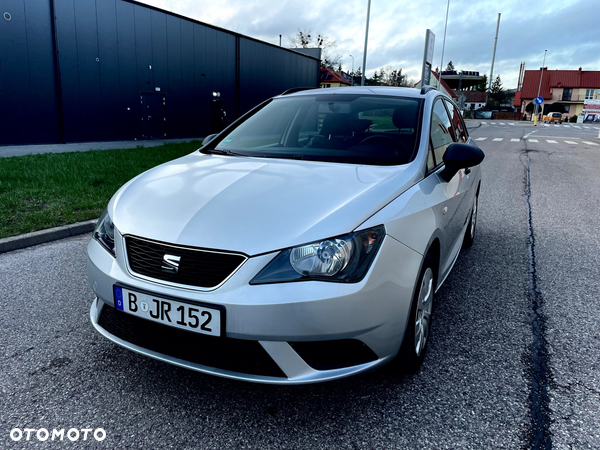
568	29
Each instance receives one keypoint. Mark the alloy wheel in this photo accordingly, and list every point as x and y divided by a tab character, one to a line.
423	312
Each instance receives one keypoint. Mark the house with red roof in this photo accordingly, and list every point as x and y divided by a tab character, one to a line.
443	86
570	89
329	78
475	99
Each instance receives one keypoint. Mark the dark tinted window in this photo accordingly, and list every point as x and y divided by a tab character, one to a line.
377	130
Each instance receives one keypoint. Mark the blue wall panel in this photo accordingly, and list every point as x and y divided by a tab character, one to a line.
112	114
28	106
129	99
110	53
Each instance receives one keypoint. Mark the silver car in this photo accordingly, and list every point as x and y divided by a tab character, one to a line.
304	243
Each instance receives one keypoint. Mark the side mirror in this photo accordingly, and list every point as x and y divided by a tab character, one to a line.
208	138
460	156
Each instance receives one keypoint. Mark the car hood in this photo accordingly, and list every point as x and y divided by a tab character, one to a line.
252	205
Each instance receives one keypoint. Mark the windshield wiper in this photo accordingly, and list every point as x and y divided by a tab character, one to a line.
215	151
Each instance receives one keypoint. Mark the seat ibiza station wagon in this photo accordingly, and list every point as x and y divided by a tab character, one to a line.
304	243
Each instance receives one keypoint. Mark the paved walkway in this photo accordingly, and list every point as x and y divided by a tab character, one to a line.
20	150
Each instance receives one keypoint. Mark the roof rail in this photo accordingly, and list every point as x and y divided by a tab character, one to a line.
425	89
297	89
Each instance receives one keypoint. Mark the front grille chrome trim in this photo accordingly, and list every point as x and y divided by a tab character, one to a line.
182	247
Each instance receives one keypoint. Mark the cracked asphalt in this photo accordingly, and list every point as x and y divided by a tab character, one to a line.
473	391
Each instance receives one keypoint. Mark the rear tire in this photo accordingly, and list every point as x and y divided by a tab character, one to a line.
414	346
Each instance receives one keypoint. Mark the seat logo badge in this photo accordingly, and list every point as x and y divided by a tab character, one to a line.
170	264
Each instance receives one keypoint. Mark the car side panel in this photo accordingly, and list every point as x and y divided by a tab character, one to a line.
415	216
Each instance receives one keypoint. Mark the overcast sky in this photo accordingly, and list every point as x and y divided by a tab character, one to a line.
568	29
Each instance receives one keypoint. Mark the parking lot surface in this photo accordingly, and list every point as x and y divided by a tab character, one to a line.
495	338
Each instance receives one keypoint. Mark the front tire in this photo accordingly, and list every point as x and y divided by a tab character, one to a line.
470	233
416	337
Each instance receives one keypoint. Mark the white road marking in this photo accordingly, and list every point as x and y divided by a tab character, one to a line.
566	126
589	143
533	140
571	142
497	139
586	127
556	125
480	139
576	126
500	123
546	125
512	124
550	141
515	140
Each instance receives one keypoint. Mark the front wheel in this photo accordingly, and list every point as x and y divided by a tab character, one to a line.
470	233
416	337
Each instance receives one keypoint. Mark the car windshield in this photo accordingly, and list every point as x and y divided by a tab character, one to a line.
356	129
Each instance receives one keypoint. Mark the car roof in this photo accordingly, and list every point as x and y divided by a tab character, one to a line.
365	90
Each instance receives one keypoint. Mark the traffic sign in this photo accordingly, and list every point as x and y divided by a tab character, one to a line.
538	100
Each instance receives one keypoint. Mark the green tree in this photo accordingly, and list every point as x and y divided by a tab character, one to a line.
482	86
450	66
396	78
497	93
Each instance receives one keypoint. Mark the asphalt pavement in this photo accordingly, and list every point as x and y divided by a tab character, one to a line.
476	389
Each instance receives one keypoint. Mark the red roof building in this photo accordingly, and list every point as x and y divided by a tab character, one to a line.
569	88
330	78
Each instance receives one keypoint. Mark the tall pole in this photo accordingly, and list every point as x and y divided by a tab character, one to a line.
362	80
443	47
494	55
352	64
540	85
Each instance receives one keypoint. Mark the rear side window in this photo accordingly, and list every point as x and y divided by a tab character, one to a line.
442	133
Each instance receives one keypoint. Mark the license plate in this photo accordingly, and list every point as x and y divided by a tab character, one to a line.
186	316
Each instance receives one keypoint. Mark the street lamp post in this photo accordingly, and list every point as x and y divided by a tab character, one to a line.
443	47
352	64
540	86
364	69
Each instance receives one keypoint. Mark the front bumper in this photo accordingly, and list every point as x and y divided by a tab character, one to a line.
276	317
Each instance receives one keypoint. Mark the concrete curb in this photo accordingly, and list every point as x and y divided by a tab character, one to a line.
51	234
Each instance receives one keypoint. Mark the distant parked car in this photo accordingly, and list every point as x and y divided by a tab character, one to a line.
554	117
303	243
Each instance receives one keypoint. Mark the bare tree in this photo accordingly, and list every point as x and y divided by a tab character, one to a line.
306	38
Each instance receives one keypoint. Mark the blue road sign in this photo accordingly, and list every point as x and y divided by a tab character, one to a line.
538	100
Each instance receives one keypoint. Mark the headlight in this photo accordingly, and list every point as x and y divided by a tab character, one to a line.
105	232
342	259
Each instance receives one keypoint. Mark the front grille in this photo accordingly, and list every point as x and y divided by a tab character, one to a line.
236	355
337	354
197	267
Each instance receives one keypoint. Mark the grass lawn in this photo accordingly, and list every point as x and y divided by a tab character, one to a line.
45	191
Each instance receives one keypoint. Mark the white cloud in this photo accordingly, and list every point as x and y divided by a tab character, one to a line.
567	29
